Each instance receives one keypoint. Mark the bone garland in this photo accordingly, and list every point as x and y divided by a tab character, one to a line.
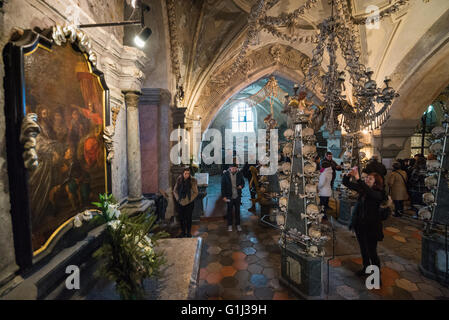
384	13
60	35
28	133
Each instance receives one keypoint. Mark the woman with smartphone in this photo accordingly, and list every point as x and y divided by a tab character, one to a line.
366	219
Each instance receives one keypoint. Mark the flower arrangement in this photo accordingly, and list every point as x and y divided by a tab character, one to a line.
128	252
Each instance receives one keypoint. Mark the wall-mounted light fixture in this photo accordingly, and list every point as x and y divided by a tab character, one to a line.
141	38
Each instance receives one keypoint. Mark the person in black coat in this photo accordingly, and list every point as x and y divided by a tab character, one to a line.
232	183
366	219
375	166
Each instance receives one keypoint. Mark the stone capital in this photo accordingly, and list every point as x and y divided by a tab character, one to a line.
131	98
155	96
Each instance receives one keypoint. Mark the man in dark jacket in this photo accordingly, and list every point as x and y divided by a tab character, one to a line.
332	164
232	183
375	166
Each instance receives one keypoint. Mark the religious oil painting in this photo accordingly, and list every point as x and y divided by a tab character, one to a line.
69	101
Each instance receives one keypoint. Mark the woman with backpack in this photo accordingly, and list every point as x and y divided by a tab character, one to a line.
397	182
367	215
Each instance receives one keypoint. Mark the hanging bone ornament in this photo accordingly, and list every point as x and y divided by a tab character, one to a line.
428	198
431	182
438	132
309	152
286	167
312	209
284	185
433	165
289	134
424	214
287	150
310	168
307	132
436	148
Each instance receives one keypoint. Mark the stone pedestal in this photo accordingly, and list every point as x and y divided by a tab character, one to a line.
302	273
434	258
136	201
346	207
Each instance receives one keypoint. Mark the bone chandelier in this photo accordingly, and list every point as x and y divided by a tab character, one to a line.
366	96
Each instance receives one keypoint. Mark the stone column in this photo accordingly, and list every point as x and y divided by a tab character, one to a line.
135	198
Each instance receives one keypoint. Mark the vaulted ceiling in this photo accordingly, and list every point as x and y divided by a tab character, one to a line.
209	35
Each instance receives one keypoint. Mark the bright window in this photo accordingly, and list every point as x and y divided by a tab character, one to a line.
242	118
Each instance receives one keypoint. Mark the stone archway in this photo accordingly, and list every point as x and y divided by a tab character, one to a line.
282	60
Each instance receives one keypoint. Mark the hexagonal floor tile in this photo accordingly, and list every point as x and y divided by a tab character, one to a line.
406	285
246	243
399	238
249	251
347	292
228	271
252	258
240	264
238	256
281	295
214	277
226	261
261	254
391	229
229	282
253	239
270	273
214	267
203	273
255	268
259	280
214	250
264	293
242	276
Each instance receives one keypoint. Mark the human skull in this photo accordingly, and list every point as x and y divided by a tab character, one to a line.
347	156
307	132
284	185
424	214
428	198
289	134
311	188
362	155
313	250
312	209
436	148
280	219
308	151
287	150
438	132
431	182
310	168
283	201
286	167
314	233
433	165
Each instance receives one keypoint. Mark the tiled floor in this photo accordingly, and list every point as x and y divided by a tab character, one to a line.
246	265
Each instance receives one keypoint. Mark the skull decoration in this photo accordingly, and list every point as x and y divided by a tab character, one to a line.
438	132
284	185
280	219
286	167
309	151
312	209
313	251
362	155
433	165
314	233
424	214
428	198
307	132
289	134
311	188
310	168
287	150
431	182
283	201
436	148
347	156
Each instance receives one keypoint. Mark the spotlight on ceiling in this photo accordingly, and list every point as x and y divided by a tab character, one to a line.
141	38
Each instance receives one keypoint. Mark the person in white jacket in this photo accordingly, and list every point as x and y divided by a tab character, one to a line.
324	186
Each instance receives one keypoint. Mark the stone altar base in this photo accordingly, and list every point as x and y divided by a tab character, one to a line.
178	281
433	258
302	274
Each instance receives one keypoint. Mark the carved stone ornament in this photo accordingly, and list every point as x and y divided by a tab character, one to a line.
61	34
108	134
28	133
